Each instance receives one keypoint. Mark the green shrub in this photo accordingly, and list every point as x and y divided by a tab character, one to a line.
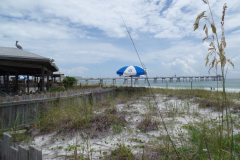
68	82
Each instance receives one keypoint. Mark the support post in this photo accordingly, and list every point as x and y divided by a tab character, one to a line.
28	83
7	89
155	80
47	80
52	76
16	86
43	78
131	81
34	83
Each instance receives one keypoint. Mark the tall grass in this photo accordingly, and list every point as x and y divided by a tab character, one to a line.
217	47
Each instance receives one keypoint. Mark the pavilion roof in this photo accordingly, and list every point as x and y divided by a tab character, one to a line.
18	54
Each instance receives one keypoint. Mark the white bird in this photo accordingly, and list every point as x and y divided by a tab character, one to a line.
18	46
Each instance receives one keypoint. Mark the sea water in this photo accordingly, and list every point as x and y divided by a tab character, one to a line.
231	85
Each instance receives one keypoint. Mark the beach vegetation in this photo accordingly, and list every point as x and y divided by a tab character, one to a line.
127	123
68	82
216	48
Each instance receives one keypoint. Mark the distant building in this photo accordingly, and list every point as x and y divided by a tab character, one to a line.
15	62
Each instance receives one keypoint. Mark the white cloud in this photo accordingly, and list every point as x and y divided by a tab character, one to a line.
77	32
61	17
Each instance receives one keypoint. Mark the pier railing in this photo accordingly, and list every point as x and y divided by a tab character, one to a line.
156	79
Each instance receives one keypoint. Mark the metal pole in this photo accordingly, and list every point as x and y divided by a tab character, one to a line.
191	84
131	81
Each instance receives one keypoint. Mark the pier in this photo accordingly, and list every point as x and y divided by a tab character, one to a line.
156	79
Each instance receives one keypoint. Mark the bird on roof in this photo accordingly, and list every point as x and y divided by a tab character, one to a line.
18	46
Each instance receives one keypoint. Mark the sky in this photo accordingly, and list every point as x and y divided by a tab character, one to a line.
88	38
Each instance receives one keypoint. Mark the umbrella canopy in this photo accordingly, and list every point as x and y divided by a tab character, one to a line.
131	71
21	77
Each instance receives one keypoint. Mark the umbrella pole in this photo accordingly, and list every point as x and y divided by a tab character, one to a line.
131	81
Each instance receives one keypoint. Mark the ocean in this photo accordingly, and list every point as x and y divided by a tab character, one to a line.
232	85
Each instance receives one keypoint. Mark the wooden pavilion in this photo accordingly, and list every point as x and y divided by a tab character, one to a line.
15	62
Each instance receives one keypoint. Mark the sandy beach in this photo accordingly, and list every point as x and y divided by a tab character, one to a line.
138	127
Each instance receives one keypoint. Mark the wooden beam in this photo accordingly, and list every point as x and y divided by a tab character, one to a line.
17	64
8	69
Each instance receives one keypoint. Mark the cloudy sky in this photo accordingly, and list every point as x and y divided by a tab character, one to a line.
87	38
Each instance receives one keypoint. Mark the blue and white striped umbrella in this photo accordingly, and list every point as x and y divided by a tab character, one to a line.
21	77
131	71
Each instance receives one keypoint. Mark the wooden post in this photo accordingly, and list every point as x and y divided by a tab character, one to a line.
7	89
43	78
47	80
16	77
28	83
34	83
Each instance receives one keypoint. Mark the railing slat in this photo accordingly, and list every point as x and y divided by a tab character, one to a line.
35	153
23	153
1	149
13	153
7	142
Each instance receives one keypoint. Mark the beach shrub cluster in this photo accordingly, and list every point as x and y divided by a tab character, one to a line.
68	82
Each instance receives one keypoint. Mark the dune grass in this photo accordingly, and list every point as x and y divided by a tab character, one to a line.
194	139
